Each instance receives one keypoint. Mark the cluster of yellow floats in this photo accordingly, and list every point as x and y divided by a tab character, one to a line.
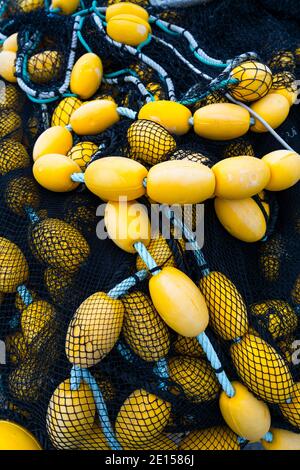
182	305
232	181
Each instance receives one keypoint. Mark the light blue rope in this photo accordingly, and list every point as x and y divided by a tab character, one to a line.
146	257
161	369
25	295
259	118
125	352
126	112
268	437
77	177
123	287
211	354
78	374
31	214
190	238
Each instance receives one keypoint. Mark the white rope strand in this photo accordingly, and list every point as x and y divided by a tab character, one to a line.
143	57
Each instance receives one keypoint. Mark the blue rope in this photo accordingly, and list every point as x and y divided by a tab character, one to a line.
126	112
31	214
211	354
190	238
125	352
123	287
146	257
161	369
25	294
78	374
268	437
77	177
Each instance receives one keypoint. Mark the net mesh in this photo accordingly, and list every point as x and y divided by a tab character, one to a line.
56	274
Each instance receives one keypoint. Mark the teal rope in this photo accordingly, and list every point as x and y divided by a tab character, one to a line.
25	295
206	61
54	10
222	84
80	37
83	42
50	100
211	354
144	43
3	8
77	375
123	287
96	10
163	27
121	72
146	257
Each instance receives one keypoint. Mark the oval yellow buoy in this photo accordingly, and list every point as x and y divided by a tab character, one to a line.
128	29
171	115
15	437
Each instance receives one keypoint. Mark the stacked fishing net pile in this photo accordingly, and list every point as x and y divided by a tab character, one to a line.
139	343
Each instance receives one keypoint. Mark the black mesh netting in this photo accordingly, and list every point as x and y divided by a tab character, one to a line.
55	272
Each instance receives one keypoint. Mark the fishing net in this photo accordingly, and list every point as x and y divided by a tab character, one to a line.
90	364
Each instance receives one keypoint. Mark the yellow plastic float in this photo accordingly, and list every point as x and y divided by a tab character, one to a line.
15	437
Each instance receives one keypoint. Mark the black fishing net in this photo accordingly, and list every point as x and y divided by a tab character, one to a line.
160	391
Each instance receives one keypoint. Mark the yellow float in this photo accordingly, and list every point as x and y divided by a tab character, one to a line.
15	437
113	177
53	172
221	121
128	29
86	75
172	116
179	302
94	117
240	177
127	223
94	330
246	415
180	182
